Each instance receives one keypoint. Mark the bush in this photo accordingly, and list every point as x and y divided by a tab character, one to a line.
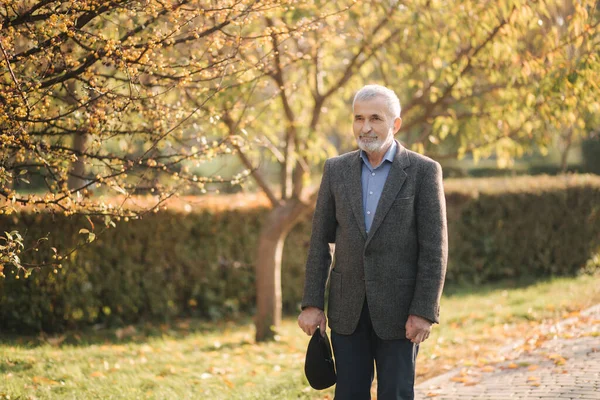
162	266
524	226
175	264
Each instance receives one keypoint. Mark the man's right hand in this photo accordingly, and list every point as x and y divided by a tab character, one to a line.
310	318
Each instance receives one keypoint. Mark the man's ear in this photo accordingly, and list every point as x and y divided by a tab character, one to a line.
397	124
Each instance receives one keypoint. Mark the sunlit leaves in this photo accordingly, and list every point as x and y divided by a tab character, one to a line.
526	64
136	96
105	96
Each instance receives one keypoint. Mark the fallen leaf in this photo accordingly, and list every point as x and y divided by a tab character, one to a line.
228	383
430	394
97	374
532	367
512	366
557	358
44	380
488	368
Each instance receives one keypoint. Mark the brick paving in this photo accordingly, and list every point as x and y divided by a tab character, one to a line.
565	365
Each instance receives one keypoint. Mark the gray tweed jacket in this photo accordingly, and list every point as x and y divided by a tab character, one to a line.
399	266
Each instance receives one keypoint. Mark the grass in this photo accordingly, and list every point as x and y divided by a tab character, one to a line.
191	359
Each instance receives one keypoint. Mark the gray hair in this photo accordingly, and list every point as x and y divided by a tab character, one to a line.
368	92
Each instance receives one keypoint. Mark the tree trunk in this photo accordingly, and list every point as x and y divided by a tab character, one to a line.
567	139
278	223
79	140
77	166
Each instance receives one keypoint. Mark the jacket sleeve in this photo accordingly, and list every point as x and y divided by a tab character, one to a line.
433	244
319	255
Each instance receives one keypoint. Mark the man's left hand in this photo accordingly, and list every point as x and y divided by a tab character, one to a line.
417	329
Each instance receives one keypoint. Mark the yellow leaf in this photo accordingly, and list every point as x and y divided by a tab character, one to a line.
557	358
532	367
97	374
44	380
512	366
228	383
488	368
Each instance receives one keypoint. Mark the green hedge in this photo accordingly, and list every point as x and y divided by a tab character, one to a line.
174	264
523	226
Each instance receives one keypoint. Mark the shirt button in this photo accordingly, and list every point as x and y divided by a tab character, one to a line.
368	212
370	192
372	173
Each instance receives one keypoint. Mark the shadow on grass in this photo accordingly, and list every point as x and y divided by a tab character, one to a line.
134	333
180	329
14	365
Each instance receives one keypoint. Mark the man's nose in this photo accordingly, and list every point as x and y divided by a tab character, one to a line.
366	127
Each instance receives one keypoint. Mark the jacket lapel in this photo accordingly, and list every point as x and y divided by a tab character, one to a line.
393	184
353	185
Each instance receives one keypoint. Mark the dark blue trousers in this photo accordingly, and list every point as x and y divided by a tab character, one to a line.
356	354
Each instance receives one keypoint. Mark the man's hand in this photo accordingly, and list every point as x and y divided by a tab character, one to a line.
417	329
310	318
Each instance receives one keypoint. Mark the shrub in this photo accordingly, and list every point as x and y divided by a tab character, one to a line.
524	226
200	263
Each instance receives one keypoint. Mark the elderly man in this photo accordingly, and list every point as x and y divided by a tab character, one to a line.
383	206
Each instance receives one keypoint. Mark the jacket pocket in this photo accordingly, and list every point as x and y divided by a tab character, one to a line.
404	201
335	295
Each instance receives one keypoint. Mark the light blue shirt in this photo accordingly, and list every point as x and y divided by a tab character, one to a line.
373	180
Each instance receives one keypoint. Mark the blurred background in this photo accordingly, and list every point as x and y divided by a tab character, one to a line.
159	158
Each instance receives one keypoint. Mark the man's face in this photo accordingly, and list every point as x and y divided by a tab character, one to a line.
373	126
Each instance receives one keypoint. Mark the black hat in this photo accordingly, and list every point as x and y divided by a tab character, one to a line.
318	366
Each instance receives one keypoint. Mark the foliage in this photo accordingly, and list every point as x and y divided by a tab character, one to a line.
497	78
200	262
188	358
112	96
159	267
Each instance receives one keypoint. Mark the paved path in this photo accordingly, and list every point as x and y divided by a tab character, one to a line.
564	363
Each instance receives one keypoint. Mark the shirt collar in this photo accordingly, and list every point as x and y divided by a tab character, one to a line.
389	155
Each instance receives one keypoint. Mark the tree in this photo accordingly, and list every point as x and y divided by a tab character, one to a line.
302	78
474	78
500	79
91	101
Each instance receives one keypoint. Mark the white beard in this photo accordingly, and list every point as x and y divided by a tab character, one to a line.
373	146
